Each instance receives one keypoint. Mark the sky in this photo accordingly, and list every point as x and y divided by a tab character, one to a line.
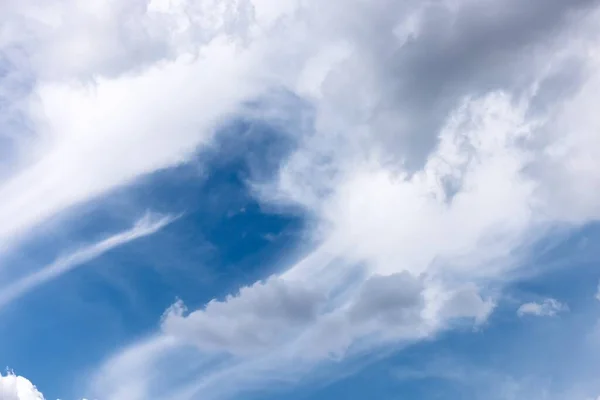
299	199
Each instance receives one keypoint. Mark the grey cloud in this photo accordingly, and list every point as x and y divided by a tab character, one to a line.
276	313
467	303
404	89
264	315
394	306
259	316
125	36
391	309
389	300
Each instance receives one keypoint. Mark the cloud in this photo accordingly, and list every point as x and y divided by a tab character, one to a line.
13	387
155	78
447	139
147	225
111	131
278	330
109	39
547	308
258	318
112	109
313	323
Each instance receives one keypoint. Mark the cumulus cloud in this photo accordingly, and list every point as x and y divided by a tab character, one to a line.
547	308
300	319
257	318
13	387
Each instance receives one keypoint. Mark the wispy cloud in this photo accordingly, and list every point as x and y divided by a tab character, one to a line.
91	125
147	225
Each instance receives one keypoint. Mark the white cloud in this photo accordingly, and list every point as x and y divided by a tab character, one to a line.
547	308
99	136
444	143
147	225
108	92
433	164
13	387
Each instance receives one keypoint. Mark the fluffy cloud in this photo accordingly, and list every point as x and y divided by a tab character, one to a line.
547	308
257	318
269	316
13	387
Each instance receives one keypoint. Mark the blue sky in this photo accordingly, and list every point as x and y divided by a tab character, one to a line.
261	199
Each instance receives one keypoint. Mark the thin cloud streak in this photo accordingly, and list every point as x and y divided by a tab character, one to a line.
145	226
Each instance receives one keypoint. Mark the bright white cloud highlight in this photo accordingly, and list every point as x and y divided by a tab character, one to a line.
13	387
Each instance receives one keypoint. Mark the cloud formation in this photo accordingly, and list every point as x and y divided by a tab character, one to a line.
13	387
444	139
112	110
269	316
447	139
147	225
254	320
547	308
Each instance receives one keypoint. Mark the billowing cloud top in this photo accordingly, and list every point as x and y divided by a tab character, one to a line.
13	387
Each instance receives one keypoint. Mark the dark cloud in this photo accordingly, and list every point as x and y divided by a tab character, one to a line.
404	88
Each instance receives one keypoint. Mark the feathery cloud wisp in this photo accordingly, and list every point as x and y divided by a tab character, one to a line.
147	225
